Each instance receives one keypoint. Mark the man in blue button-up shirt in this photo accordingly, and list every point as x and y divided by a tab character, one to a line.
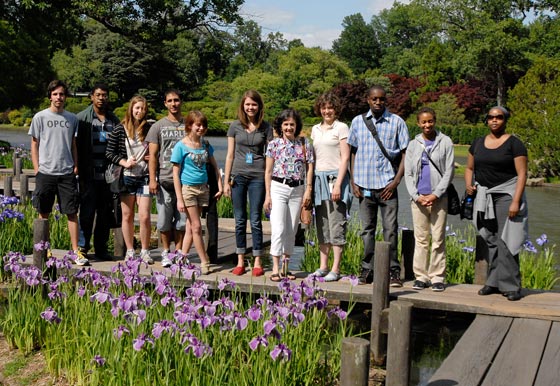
375	177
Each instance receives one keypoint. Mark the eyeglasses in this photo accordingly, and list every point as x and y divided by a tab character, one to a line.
498	117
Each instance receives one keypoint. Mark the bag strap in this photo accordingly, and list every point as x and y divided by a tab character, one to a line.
430	158
373	130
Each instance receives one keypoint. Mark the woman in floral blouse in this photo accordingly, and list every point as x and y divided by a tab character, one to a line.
288	180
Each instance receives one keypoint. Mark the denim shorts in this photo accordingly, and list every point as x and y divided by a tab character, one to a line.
137	186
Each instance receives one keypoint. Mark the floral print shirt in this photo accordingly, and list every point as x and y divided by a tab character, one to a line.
288	157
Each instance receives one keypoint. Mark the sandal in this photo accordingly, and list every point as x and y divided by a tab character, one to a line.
320	272
288	275
275	277
205	269
332	276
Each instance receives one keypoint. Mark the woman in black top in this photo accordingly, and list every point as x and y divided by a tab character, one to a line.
498	163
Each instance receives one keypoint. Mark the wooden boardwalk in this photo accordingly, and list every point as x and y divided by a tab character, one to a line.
504	351
542	305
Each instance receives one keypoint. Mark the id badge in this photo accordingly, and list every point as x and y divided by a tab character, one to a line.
249	158
146	190
367	193
102	136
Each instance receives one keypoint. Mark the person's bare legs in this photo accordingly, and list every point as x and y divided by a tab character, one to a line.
127	207
144	204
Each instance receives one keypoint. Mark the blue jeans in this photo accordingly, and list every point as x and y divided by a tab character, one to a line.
368	214
254	188
96	200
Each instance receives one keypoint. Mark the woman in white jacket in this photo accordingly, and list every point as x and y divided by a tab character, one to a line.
428	171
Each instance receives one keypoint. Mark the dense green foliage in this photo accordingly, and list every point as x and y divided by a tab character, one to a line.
459	56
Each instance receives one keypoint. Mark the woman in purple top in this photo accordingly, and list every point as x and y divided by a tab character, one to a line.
428	171
288	181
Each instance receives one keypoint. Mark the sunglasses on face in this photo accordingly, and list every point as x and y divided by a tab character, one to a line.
498	117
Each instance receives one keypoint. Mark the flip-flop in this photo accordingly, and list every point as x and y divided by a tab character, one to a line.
290	276
275	277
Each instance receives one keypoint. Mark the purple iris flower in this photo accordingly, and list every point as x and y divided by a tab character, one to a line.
542	240
120	331
42	246
282	352
98	360
337	311
139	342
468	249
136	316
353	279
225	283
163	326
258	341
529	247
50	316
101	297
254	313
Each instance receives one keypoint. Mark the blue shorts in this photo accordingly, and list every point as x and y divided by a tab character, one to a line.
137	186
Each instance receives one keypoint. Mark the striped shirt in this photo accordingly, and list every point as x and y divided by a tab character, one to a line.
372	170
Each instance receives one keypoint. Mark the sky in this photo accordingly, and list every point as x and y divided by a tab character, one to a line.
314	22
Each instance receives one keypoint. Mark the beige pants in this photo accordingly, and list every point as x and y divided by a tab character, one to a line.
429	220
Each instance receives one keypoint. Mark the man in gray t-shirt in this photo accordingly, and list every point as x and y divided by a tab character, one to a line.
55	160
162	137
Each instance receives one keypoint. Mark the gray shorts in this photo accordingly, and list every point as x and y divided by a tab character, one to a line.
169	216
331	221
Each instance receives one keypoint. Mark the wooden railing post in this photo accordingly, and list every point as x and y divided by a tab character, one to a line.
398	355
18	166
24	188
407	253
40	233
480	261
380	300
354	357
119	249
8	189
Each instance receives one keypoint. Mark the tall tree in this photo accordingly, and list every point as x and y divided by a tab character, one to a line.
535	106
358	44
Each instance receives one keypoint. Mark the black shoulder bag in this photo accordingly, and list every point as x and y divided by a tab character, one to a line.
453	201
373	130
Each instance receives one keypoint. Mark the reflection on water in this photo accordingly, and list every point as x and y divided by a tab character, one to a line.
434	335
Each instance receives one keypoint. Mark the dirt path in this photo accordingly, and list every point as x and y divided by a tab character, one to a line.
19	370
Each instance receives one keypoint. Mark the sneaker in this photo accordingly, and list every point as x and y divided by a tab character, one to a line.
145	256
166	262
366	276
438	287
80	259
129	254
332	276
419	285
395	279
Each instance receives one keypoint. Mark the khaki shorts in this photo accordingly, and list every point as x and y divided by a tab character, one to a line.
195	195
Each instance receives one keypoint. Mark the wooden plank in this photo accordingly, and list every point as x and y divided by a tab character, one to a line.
549	369
473	354
518	359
